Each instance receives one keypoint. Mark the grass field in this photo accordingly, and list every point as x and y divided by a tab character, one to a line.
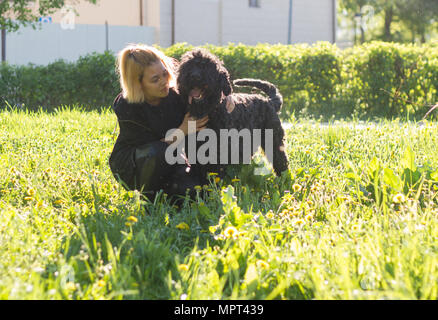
356	218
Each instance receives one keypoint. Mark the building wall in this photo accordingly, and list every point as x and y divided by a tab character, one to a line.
312	21
266	24
197	21
222	21
116	12
53	42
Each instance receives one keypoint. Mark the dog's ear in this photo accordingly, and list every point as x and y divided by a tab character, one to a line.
225	83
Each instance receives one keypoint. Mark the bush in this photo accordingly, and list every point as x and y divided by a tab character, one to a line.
90	82
374	80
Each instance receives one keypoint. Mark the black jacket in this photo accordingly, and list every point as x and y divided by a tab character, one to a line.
140	124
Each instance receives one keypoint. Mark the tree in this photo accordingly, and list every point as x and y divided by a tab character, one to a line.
354	7
17	13
418	16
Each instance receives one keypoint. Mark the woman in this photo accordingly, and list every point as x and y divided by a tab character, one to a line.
146	109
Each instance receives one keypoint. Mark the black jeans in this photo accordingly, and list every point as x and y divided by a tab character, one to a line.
153	173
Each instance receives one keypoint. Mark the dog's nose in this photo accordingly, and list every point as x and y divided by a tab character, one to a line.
196	76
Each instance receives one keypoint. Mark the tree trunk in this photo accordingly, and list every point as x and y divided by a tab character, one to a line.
389	15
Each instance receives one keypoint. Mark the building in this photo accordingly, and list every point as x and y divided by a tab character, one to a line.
81	27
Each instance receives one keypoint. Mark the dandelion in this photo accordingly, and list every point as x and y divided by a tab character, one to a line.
70	286
58	202
198	188
30	192
309	217
210	174
40	204
132	219
183	267
230	232
296	187
28	198
183	226
270	214
235	180
217	179
355	227
299	222
101	283
262	264
399	198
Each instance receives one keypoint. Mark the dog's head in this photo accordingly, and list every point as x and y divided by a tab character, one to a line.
202	81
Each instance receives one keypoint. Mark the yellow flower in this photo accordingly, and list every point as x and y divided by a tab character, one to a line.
28	198
399	198
70	286
309	217
212	174
30	192
270	214
58	201
235	180
199	188
299	222
230	232
132	219
183	267
101	283
296	187
40	204
262	264
217	179
183	226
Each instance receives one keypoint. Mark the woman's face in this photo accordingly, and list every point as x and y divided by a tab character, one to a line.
155	83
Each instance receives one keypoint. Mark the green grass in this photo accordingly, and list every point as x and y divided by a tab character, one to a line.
356	218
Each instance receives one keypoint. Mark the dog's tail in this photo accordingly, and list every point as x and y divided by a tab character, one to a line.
271	90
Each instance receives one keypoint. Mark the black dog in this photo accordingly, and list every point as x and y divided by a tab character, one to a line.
204	84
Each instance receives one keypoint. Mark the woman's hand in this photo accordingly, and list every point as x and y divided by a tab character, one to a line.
184	127
199	124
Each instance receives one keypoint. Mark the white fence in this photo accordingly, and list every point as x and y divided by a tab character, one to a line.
52	42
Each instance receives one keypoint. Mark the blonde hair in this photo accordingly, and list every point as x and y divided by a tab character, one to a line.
131	63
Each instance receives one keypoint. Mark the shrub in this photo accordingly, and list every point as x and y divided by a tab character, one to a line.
374	80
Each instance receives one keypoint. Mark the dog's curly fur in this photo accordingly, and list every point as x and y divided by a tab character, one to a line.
203	71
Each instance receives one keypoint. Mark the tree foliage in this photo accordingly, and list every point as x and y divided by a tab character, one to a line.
17	13
416	18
